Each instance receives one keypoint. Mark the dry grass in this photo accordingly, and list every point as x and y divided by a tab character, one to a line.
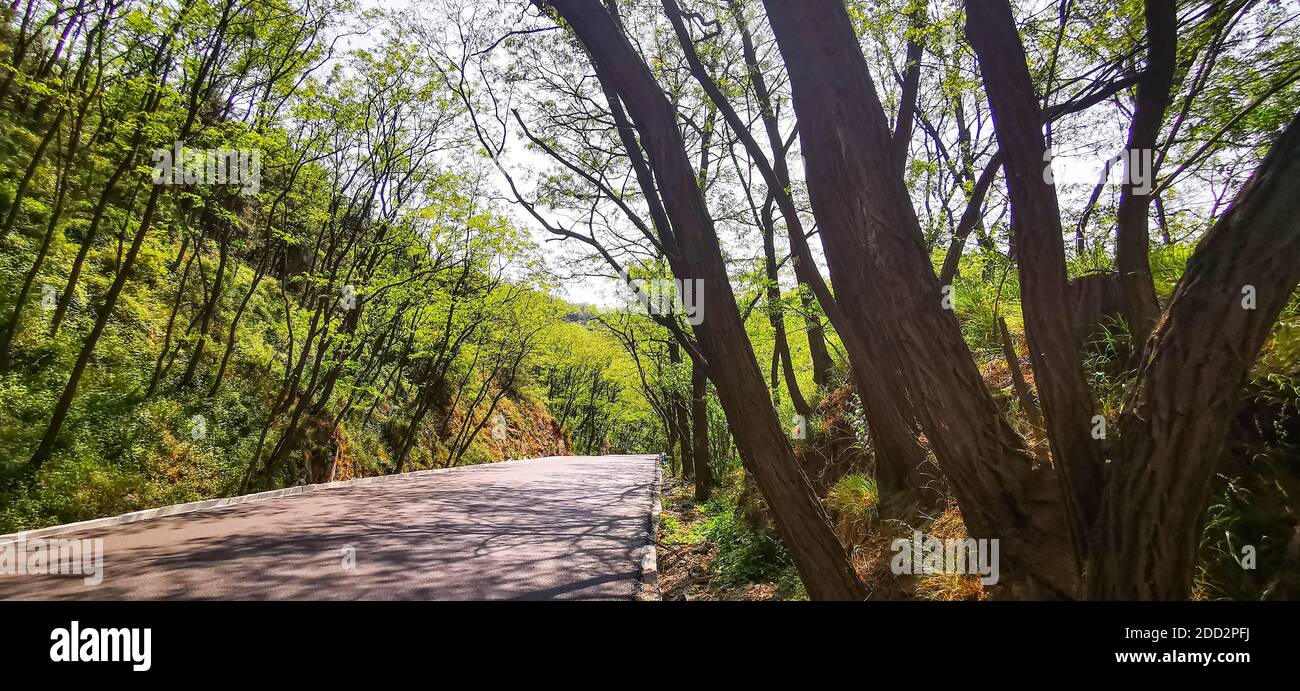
949	587
870	545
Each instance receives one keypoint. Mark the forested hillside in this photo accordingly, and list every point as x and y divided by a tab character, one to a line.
361	306
985	270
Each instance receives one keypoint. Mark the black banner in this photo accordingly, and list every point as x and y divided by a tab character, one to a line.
171	640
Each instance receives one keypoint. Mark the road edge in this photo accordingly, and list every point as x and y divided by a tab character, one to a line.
648	585
223	502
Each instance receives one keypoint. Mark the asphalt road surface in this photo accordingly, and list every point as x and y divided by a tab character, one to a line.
554	528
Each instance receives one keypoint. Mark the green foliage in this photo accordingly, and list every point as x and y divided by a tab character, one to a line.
230	311
232	317
675	533
854	497
747	555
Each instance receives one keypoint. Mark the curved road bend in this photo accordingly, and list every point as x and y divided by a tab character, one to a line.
553	528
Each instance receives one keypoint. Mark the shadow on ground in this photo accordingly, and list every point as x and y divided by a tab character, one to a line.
565	528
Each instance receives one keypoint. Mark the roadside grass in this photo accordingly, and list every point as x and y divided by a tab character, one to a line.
712	551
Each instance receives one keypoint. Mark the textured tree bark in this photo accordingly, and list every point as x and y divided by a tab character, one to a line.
1017	377
700	433
1174	427
1067	401
911	89
883	396
816	334
884	280
776	313
778	192
1133	242
680	409
696	255
971	218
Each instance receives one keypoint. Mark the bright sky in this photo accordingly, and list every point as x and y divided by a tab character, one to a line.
1076	171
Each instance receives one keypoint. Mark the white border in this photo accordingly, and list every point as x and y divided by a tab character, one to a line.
648	587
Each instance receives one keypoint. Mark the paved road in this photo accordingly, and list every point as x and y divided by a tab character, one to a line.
555	528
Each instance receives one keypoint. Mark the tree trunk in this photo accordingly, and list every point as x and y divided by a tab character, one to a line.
21	192
696	255
902	138
887	407
159	369
1133	242
884	281
1017	377
816	334
233	329
700	433
1067	401
64	403
210	307
1188	387
776	314
92	233
681	412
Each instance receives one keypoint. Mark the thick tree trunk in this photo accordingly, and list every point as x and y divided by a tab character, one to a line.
696	255
680	409
700	433
1188	388
884	281
1133	242
887	406
1067	401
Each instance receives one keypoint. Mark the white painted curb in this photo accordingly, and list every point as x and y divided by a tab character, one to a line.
648	588
248	498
